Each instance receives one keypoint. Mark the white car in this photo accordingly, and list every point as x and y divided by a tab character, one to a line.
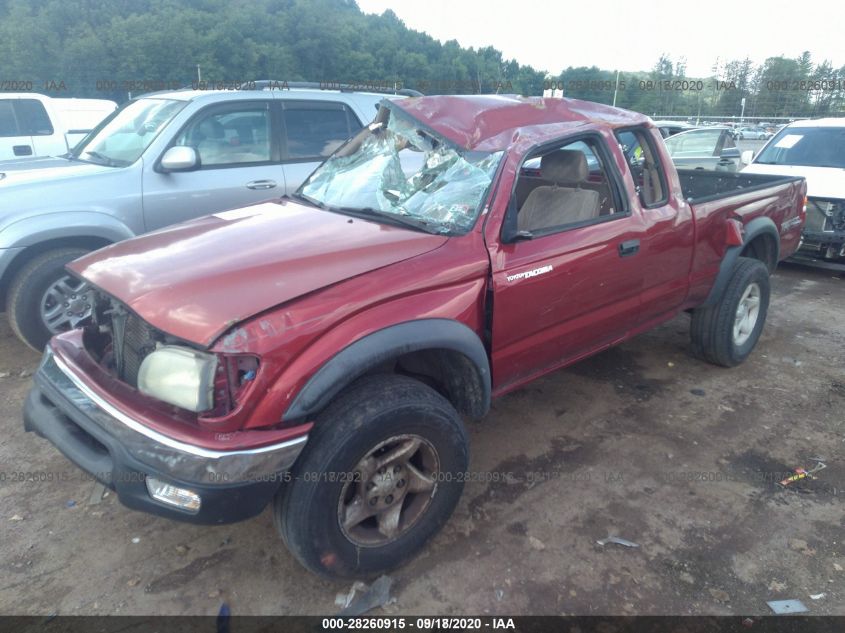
753	133
34	125
814	149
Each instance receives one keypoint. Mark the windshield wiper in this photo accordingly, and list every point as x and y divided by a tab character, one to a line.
108	162
406	221
308	199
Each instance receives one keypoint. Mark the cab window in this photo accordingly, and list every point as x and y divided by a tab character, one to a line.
564	187
646	169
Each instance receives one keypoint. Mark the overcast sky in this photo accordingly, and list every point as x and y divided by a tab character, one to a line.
630	35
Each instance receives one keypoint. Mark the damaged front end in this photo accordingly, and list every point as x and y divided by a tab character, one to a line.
165	367
146	414
824	230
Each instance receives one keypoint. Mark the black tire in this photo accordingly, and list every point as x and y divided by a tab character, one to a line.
27	289
372	410
712	328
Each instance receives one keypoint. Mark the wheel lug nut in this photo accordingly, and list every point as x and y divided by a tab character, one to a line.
400	483
67	304
373	501
73	296
388	499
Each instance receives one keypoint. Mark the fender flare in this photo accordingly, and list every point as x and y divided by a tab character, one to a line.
45	227
370	351
755	228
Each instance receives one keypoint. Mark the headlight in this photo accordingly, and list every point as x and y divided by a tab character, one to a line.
179	376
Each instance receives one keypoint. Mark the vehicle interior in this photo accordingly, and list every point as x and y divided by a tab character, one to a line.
233	137
562	186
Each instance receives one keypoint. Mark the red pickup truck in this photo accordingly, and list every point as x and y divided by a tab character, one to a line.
319	351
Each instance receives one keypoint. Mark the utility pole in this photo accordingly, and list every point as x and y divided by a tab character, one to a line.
698	116
742	112
616	89
199	74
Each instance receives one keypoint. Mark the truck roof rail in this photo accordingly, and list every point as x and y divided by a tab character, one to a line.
263	84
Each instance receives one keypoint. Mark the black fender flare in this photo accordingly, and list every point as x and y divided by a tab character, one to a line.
372	350
755	228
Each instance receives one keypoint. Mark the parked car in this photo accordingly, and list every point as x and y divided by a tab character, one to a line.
318	351
34	125
669	128
750	133
814	150
160	159
710	148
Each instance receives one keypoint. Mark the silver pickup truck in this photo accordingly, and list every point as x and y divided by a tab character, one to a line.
160	159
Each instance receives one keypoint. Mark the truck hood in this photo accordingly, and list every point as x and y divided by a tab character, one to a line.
822	182
198	279
39	170
32	162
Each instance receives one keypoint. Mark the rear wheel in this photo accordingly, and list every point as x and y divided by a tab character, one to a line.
725	334
380	475
45	300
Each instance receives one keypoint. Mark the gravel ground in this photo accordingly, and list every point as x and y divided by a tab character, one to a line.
642	442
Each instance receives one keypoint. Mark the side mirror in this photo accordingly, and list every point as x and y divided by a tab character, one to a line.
747	156
510	236
180	158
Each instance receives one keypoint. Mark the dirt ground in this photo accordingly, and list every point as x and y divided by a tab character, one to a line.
642	442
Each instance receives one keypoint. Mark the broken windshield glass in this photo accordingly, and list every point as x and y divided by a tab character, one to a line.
400	169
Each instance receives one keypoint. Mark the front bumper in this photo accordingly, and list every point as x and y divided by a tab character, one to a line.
121	453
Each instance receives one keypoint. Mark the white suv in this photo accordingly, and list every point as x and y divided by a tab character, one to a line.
815	150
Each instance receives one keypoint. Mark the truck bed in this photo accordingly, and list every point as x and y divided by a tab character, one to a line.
699	185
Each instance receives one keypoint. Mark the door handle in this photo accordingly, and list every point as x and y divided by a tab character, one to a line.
261	184
628	248
22	150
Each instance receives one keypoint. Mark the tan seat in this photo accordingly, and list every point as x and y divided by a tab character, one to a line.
547	206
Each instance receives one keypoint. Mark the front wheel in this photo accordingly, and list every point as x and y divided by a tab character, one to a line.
725	334
381	474
45	300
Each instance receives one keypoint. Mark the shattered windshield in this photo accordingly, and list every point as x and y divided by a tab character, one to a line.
396	171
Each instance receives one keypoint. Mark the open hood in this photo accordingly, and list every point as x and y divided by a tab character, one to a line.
198	279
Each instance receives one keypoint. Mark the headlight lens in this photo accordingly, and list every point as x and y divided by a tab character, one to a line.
179	376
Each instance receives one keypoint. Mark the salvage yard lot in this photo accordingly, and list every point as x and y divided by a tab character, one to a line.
642	442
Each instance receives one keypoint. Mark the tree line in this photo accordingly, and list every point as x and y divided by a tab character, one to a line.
779	87
89	48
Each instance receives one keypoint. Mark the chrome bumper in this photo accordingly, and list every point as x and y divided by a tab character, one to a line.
160	453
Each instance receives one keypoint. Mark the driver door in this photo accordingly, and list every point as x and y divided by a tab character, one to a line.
571	285
239	164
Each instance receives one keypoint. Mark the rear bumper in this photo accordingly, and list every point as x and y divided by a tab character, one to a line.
121	453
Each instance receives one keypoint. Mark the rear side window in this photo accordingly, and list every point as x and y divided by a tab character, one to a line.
315	129
32	118
646	169
8	123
